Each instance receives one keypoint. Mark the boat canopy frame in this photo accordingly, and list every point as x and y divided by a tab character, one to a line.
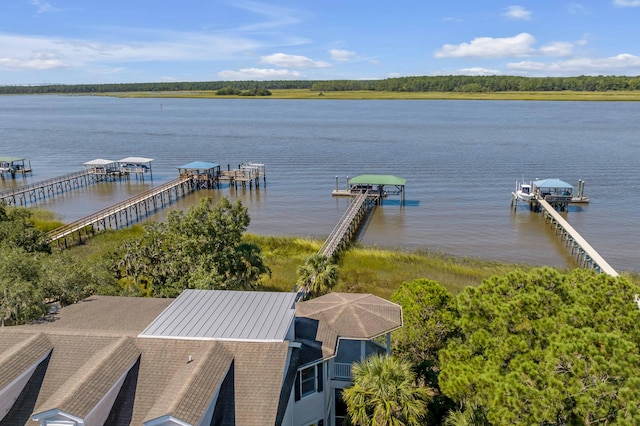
369	181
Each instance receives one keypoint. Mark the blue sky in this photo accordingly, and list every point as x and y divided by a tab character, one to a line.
116	41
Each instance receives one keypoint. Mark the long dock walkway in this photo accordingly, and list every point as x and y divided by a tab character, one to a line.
341	235
34	192
586	255
346	228
125	212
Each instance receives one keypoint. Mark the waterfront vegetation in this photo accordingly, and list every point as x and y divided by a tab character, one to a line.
592	88
392	95
482	342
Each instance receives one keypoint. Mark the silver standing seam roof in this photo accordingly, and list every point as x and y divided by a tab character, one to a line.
251	316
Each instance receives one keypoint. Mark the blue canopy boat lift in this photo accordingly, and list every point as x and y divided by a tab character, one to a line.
557	193
203	174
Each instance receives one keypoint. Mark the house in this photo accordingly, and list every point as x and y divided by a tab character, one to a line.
208	357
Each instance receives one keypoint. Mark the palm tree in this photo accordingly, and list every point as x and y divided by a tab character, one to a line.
384	393
318	275
248	266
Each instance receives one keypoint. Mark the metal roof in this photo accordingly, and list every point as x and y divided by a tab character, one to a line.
200	165
226	315
551	183
135	160
11	159
377	180
99	162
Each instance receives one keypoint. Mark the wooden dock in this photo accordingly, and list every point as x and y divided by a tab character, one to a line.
126	212
245	176
32	193
586	255
346	228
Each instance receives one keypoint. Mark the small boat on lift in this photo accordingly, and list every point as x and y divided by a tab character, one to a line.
523	192
556	192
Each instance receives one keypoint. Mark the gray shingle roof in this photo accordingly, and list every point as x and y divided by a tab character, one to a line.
193	385
84	389
95	341
22	351
90	345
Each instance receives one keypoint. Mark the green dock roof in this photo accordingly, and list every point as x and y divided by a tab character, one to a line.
377	180
10	159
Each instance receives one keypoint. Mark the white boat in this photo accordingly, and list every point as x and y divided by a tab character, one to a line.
523	192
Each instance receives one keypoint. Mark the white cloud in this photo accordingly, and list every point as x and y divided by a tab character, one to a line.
32	64
43	6
623	64
478	71
626	3
341	55
292	61
557	48
489	47
258	74
517	13
31	52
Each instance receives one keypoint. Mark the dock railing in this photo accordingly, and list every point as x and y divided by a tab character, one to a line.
20	190
344	226
579	246
91	219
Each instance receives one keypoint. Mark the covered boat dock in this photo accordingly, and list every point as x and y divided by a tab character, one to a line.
202	173
379	186
102	167
554	191
14	165
136	165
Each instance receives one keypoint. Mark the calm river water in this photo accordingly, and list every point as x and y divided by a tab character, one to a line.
461	160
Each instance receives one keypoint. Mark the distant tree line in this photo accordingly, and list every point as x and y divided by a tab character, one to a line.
450	83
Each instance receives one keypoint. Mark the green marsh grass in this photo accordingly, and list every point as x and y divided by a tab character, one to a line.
373	270
45	220
362	269
370	94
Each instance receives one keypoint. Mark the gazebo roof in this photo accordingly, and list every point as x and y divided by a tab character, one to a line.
377	180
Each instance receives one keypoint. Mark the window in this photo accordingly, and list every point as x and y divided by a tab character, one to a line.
308	381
